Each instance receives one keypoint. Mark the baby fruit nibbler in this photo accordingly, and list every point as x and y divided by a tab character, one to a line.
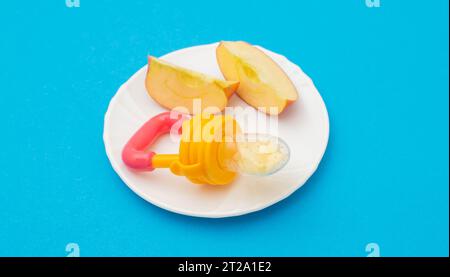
212	149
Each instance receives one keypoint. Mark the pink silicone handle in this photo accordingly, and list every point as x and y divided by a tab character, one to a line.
134	154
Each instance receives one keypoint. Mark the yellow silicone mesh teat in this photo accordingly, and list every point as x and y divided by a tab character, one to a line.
203	147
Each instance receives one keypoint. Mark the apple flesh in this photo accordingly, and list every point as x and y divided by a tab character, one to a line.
263	84
176	87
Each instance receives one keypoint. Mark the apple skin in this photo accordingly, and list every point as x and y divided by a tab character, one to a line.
263	84
172	87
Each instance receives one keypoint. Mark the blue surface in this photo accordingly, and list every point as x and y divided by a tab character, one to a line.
383	73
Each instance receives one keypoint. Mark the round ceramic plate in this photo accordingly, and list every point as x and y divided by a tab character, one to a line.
304	126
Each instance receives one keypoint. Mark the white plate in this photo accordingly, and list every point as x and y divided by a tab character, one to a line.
304	126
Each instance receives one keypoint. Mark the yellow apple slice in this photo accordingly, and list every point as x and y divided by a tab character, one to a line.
263	84
176	87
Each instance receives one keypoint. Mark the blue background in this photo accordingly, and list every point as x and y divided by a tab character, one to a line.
383	73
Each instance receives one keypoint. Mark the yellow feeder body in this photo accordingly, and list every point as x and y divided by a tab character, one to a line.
207	141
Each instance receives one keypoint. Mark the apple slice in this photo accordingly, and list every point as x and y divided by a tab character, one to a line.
263	84
176	87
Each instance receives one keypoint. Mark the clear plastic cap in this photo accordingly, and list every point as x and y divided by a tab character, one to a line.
258	154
